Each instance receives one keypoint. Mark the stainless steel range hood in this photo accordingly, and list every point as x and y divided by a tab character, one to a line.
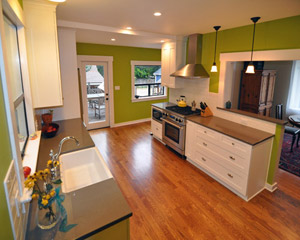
193	68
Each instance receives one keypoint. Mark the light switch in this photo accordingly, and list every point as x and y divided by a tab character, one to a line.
117	87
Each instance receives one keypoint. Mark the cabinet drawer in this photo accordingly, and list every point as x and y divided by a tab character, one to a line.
237	181
225	158
236	146
206	133
156	129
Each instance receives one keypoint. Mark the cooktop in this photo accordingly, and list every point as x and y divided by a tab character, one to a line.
183	110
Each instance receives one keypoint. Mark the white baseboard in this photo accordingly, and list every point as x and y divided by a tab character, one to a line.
270	187
131	122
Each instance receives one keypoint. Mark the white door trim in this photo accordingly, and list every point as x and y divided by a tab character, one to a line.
109	60
226	68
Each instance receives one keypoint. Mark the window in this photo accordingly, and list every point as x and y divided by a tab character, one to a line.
146	81
17	94
293	106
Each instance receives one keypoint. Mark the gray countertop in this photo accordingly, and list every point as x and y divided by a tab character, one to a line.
163	105
93	208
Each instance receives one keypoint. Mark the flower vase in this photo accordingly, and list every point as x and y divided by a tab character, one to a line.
55	174
48	217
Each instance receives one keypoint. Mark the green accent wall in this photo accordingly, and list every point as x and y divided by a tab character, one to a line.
5	159
21	3
278	34
276	150
125	110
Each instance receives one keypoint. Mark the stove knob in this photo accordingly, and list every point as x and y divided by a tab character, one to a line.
180	120
176	119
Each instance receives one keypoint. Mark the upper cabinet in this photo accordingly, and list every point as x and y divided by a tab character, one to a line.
43	55
172	58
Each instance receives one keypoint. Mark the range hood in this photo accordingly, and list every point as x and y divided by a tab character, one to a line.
193	68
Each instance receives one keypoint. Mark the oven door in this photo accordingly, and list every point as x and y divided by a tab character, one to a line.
157	115
173	135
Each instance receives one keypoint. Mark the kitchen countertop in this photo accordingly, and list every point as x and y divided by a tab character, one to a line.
93	208
163	105
240	132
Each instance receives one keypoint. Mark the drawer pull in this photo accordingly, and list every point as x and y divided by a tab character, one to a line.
232	144
204	144
203	159
231	157
157	129
229	175
205	132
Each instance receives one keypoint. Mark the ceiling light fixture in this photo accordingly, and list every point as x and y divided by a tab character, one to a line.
162	41
113	39
129	28
157	14
214	66
250	68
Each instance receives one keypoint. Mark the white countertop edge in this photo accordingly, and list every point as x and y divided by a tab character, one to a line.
31	153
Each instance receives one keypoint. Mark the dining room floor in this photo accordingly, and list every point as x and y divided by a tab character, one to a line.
172	199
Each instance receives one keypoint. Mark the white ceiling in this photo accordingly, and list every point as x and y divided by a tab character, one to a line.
179	17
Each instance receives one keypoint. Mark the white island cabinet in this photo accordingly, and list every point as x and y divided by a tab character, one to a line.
172	59
239	166
43	55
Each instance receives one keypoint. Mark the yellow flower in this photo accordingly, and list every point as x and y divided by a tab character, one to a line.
49	163
35	196
44	202
48	196
46	171
52	193
55	163
29	184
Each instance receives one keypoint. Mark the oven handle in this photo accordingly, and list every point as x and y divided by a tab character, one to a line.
174	124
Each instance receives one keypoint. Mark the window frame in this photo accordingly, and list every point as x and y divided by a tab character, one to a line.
150	98
20	99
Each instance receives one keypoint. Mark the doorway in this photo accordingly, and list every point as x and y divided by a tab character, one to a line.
95	92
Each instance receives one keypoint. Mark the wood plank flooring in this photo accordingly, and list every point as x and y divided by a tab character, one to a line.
172	199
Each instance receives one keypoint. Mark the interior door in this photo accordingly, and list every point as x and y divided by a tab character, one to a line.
95	94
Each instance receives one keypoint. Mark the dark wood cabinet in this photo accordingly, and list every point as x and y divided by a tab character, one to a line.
257	91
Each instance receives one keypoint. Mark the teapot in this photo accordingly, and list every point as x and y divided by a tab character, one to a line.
181	102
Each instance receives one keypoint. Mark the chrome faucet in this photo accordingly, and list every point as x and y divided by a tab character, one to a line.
55	156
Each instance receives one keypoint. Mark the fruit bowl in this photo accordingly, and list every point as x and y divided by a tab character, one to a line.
50	130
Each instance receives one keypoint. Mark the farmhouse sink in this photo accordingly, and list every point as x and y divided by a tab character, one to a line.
82	168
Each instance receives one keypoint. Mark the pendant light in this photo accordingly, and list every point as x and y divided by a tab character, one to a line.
250	68
214	66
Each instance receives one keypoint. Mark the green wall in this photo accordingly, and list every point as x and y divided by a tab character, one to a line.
279	34
5	159
125	110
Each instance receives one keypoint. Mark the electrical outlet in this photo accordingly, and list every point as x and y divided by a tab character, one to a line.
117	87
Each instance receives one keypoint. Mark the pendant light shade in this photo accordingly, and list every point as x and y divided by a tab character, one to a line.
214	66
250	69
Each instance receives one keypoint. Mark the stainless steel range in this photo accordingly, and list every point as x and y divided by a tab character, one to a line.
173	126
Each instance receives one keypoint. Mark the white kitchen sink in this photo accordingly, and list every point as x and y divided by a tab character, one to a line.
82	168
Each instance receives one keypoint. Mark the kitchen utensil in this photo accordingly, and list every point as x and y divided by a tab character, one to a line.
202	106
194	106
181	102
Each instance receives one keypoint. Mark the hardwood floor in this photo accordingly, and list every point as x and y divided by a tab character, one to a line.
172	199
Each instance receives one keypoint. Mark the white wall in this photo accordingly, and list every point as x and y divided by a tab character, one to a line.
69	76
282	83
195	89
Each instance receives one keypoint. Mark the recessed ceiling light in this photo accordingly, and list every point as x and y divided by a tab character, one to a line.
129	28
157	14
162	40
59	1
113	39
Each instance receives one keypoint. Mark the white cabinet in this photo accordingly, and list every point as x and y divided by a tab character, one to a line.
172	59
43	55
239	166
156	129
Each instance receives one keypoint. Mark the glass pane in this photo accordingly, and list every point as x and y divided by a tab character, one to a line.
13	59
21	124
172	132
95	86
147	81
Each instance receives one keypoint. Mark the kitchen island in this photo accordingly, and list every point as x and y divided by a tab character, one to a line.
96	209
